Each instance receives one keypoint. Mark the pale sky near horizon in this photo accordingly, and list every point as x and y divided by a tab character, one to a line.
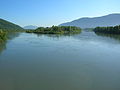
54	12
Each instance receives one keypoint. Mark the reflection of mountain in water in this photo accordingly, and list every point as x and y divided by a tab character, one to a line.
116	37
10	36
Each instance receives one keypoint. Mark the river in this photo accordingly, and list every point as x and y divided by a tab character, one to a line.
86	61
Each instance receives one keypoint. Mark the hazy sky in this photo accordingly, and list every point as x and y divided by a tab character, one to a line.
54	12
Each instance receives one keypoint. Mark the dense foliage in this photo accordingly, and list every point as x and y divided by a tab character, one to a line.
56	30
3	36
108	30
8	25
14	30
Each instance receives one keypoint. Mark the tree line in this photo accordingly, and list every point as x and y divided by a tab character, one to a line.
108	30
56	30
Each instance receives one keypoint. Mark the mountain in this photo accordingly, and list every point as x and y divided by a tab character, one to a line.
30	27
8	25
108	20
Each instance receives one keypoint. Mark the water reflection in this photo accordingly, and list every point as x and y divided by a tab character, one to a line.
112	36
10	36
13	35
82	62
2	46
56	35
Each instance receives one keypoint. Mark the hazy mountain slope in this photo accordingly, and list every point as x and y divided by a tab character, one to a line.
108	20
8	25
30	27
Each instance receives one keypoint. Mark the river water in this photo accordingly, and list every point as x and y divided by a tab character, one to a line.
86	61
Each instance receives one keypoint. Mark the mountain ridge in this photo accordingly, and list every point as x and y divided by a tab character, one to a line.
92	22
30	27
4	24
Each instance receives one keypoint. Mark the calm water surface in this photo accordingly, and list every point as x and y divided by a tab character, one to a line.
48	62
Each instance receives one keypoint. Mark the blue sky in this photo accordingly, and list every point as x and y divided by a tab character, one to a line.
54	12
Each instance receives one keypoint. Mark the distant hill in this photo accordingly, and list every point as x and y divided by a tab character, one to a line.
108	20
8	25
30	27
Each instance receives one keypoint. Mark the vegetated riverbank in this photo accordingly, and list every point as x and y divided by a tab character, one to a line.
3	36
8	34
56	30
108	30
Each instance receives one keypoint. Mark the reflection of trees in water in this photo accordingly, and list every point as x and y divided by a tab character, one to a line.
56	35
10	36
2	46
113	36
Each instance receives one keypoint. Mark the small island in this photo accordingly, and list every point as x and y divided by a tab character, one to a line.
56	30
108	30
